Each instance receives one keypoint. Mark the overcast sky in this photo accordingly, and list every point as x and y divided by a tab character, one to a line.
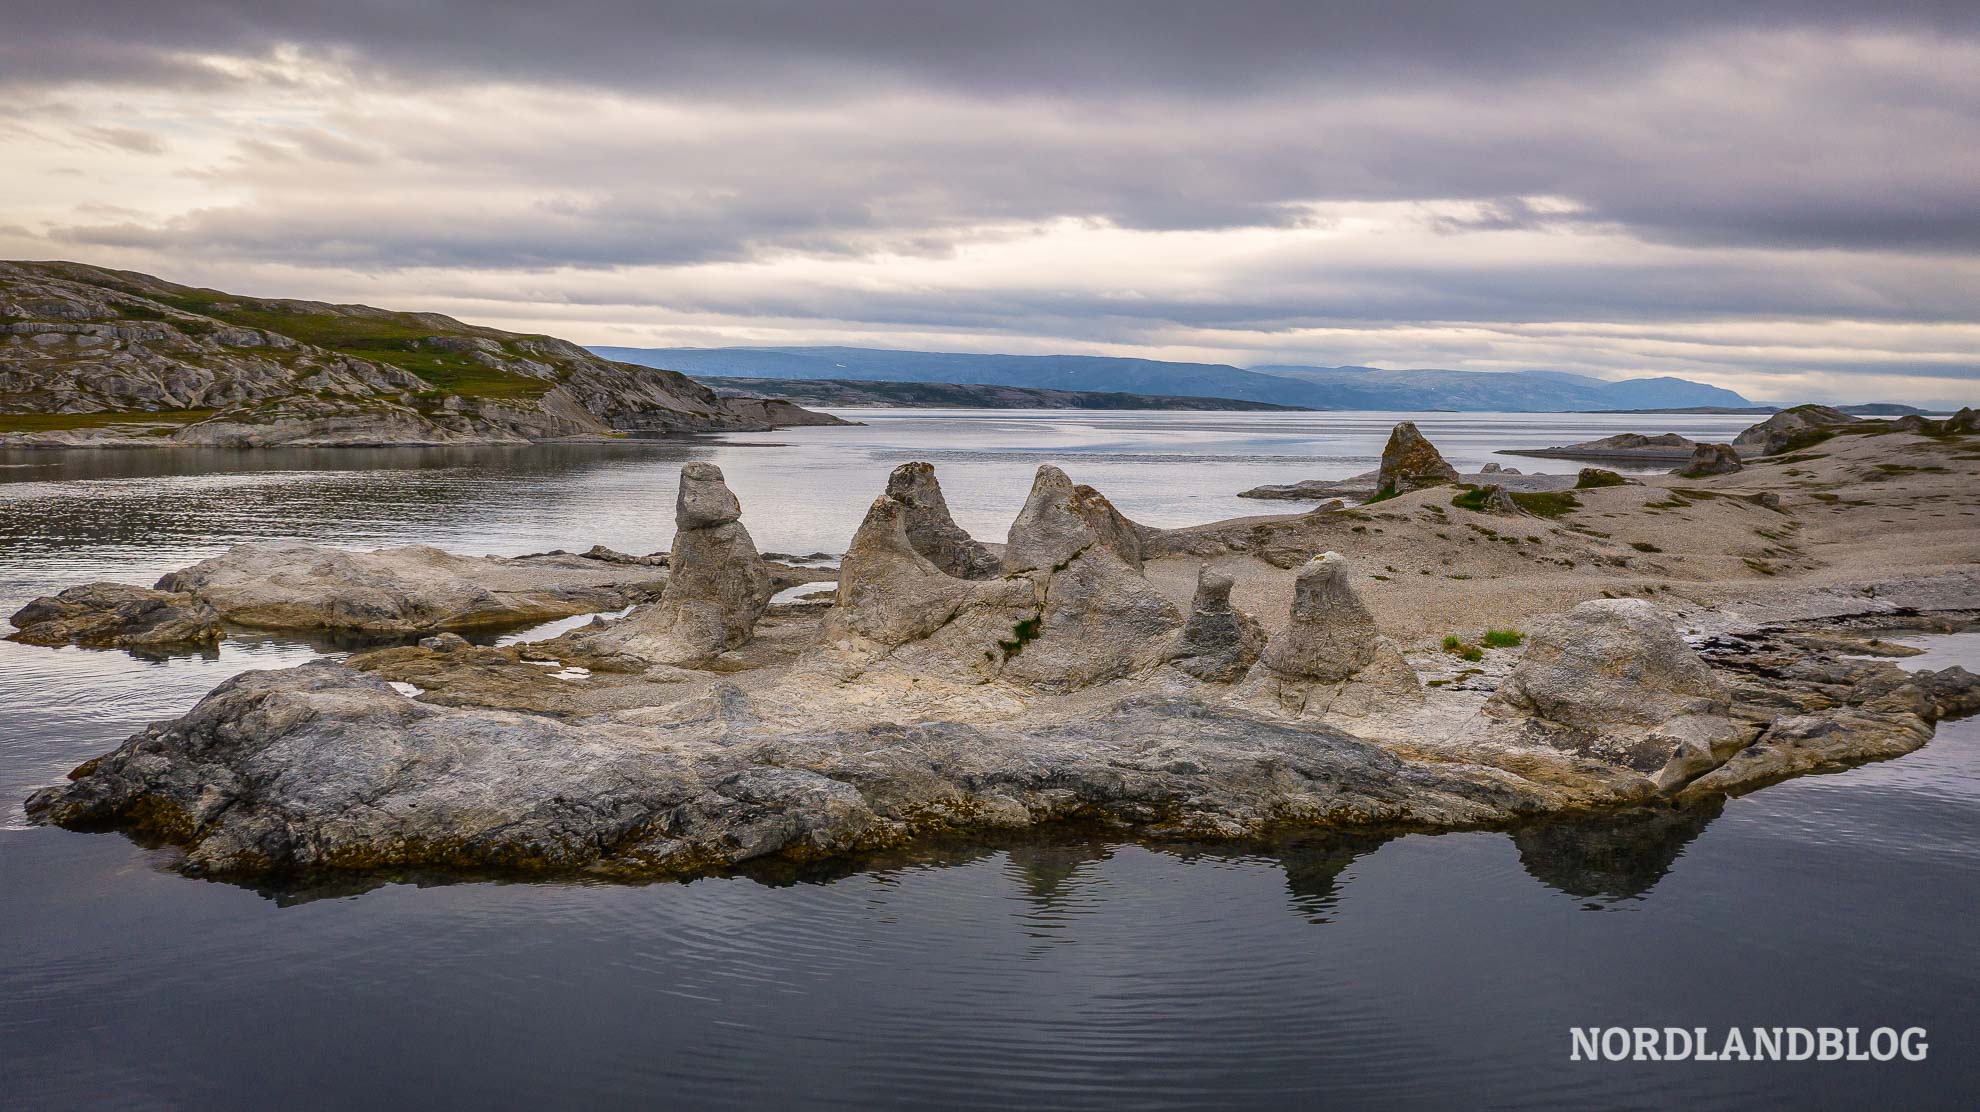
1783	198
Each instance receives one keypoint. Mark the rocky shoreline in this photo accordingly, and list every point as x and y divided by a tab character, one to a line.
953	689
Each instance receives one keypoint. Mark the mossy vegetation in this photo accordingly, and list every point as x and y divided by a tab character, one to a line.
1457	647
1473	498
1022	634
1503	638
135	420
1547	503
394	339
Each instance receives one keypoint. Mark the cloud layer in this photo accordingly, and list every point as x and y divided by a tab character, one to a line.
1778	198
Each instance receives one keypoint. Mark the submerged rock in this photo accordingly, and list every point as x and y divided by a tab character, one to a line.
1613	680
717	589
1710	459
115	615
1219	643
1411	462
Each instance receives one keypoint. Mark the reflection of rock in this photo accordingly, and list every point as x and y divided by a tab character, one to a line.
113	615
717	591
1411	462
1220	642
1330	658
1314	866
931	529
1613	680
1710	459
1615	855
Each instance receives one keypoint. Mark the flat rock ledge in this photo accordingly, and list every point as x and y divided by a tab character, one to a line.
1062	689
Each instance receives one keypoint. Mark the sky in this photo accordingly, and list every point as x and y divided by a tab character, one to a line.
1781	198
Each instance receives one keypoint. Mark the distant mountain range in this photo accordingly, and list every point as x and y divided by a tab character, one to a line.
863	393
1288	385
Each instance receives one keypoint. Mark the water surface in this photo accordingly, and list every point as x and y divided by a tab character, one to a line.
1425	972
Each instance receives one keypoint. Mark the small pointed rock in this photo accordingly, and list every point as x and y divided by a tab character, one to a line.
1220	642
930	528
1411	462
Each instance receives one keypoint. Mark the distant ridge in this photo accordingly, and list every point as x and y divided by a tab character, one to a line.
959	395
1288	385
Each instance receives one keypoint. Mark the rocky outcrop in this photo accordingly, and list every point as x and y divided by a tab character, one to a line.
1592	478
930	528
1791	428
401	591
1710	459
1219	643
1069	608
1499	501
114	615
1613	680
192	367
1411	462
1330	659
716	590
1628	447
323	768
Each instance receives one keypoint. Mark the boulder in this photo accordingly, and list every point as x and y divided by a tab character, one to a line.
418	589
1097	619
1498	501
717	589
1592	478
1791	428
1411	462
115	615
1330	658
1710	459
1219	643
1613	680
930	528
1967	420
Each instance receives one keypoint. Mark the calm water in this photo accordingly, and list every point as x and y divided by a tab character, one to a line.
1417	972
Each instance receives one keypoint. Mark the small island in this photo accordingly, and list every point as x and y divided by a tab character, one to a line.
1444	656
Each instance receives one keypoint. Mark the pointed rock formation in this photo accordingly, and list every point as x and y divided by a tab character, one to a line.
1710	459
894	601
1497	501
717	586
930	528
1613	680
1411	462
1097	618
1220	642
1330	658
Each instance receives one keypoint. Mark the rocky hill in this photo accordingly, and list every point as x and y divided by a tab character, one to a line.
90	356
964	395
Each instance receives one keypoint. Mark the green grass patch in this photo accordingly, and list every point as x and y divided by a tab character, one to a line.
391	339
1503	638
1382	495
63	422
1548	503
1472	499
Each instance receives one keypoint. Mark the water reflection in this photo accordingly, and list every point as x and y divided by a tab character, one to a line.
1616	856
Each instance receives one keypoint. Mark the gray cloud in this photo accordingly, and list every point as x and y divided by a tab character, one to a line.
1808	160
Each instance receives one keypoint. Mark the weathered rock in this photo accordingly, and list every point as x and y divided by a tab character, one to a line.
1627	447
716	590
1710	459
397	591
1096	619
445	643
1330	658
1966	420
1490	469
1411	462
1499	501
115	615
931	529
1790	428
894	604
1613	680
1592	478
1219	643
321	767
